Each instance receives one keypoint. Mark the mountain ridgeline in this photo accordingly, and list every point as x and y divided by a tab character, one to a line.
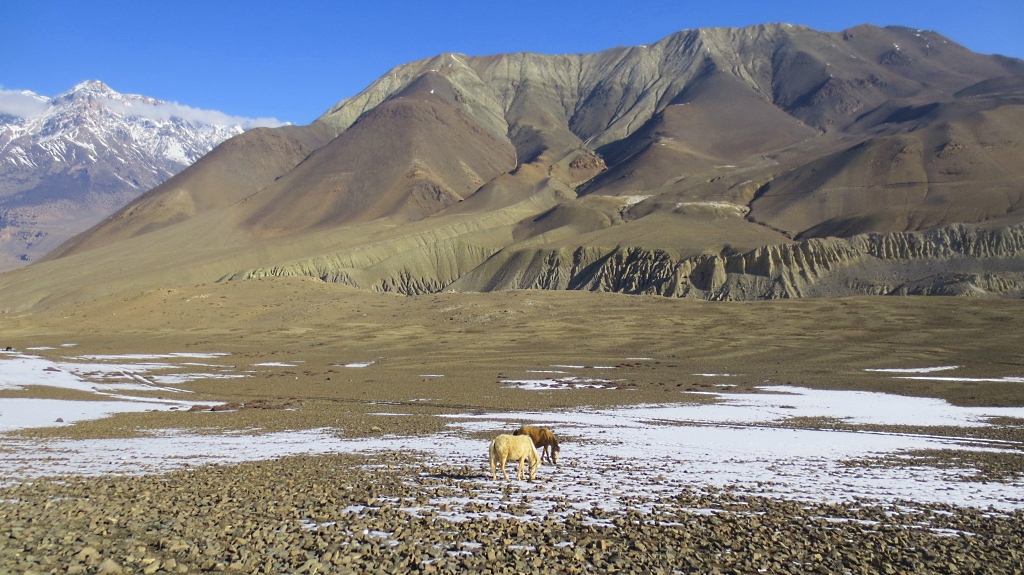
762	162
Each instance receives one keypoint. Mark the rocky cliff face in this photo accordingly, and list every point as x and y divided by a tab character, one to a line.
953	260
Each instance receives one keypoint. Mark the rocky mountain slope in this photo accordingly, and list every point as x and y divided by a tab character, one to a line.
761	162
80	156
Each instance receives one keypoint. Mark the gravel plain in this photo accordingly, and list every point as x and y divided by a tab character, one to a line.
405	510
376	514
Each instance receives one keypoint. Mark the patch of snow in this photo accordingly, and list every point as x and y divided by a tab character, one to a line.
560	383
179	378
109	382
1006	379
145	356
24	413
156	452
914	369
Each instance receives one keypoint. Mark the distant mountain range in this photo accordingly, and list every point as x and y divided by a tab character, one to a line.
728	163
69	161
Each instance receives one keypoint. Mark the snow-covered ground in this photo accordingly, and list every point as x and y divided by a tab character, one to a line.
607	454
653	449
927	370
114	380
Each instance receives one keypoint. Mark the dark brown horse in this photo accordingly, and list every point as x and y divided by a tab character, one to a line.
543	439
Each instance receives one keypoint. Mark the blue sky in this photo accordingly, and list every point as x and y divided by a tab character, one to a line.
293	60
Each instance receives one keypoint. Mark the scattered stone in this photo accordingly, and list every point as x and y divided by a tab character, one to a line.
88	555
109	567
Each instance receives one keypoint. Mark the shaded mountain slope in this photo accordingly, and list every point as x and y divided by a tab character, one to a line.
948	162
410	157
718	121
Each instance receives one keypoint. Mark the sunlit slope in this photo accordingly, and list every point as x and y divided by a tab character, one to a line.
232	171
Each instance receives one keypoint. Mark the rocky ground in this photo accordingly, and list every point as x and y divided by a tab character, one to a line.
348	514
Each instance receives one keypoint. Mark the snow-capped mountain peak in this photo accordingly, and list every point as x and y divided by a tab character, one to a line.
88	151
92	123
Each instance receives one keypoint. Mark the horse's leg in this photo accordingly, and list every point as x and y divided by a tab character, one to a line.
503	472
522	462
494	471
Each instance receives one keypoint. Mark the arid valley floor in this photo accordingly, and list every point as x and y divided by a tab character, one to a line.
845	435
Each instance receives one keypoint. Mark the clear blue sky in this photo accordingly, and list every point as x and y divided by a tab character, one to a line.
293	60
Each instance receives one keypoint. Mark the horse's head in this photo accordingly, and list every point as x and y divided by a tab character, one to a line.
534	464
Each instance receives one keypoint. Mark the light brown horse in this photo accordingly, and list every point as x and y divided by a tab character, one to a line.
506	447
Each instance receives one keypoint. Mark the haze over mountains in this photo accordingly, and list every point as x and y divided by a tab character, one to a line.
769	161
69	161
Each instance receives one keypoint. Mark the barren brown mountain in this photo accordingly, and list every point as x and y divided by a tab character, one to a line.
762	162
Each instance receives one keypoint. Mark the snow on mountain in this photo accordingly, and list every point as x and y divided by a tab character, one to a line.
92	124
68	161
